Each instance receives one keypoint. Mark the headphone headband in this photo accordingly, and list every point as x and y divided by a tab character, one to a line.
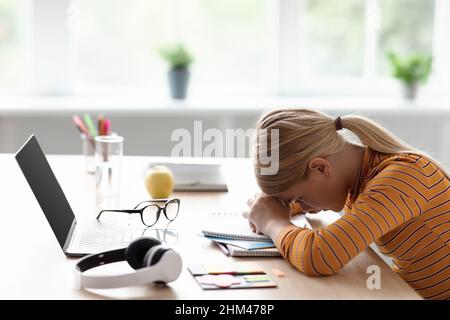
100	259
165	267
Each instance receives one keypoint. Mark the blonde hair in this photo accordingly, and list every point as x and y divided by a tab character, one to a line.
305	134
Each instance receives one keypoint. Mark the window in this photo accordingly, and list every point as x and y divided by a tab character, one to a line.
115	42
230	41
406	26
12	42
297	47
342	45
333	38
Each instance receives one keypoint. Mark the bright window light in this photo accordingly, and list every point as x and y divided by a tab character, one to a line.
115	42
12	43
406	26
332	38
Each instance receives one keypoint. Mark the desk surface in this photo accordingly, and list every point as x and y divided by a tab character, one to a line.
34	267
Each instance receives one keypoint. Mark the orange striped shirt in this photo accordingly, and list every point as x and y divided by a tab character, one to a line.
402	202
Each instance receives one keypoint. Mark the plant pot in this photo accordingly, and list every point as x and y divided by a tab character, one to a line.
410	90
178	82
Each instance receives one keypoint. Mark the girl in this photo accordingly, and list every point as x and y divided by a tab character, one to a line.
390	192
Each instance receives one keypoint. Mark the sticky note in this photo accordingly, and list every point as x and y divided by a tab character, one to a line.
222	281
257	278
278	273
237	269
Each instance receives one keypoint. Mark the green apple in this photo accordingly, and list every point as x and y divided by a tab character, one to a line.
159	182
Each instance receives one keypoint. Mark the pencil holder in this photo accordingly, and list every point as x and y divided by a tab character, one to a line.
108	158
88	152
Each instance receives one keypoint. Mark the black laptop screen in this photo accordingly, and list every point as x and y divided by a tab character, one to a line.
46	188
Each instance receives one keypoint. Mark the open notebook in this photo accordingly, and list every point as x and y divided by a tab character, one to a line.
235	251
232	226
235	226
234	230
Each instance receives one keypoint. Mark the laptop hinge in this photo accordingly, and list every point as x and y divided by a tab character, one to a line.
70	236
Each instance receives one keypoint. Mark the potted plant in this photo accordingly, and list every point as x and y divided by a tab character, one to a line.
411	70
179	59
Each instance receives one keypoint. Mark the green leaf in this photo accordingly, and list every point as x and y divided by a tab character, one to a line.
176	55
410	68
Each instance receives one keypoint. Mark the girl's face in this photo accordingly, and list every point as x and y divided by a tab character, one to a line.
324	188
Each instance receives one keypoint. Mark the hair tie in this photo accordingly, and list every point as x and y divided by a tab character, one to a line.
338	124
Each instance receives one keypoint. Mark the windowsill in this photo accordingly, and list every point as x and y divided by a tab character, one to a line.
131	104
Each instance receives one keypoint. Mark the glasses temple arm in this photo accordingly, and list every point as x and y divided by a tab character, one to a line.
124	211
151	201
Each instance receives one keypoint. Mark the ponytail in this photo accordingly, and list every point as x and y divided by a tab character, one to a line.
379	139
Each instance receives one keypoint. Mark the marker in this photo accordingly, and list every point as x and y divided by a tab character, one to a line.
100	124
107	126
90	125
82	128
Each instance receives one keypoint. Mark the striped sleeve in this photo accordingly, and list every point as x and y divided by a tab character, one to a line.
381	208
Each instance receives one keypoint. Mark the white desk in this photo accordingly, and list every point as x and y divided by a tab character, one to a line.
34	267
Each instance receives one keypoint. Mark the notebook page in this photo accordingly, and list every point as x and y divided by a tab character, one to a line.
235	226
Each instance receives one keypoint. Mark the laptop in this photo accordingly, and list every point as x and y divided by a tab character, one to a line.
75	239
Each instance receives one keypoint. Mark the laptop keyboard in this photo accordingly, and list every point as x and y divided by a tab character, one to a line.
105	239
97	238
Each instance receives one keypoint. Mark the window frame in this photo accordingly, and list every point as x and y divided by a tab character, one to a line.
50	53
369	83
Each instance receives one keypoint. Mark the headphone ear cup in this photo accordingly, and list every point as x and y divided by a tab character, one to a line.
157	256
153	256
137	250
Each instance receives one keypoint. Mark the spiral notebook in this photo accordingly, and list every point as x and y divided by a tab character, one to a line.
234	232
234	226
230	226
235	251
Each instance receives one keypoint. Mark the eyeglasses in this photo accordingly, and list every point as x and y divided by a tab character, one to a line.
150	211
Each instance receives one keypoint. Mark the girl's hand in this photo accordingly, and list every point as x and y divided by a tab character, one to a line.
267	215
251	225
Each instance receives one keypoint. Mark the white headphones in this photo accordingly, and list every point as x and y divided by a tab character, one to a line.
152	262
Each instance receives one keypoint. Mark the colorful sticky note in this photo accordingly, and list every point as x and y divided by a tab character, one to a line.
222	280
257	278
231	269
278	273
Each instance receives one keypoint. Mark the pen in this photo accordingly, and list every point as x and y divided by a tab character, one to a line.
90	125
222	248
100	124
106	126
82	128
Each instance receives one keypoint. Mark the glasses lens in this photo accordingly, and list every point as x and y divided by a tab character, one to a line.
172	208
150	215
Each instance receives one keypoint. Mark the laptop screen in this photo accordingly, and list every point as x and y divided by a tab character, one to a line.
46	188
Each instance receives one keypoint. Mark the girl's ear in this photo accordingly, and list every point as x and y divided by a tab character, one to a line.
320	166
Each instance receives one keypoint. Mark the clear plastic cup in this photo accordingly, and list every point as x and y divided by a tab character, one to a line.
88	152
108	161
